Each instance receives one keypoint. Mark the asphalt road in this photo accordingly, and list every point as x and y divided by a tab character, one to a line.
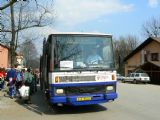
135	102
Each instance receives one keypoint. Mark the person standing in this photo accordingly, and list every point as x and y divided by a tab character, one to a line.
35	81
28	81
19	80
11	78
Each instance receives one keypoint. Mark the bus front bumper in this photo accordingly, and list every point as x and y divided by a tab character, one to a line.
83	99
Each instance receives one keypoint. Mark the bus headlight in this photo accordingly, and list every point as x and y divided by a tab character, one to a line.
109	88
59	91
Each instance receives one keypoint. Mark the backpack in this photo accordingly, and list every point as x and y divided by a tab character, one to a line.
19	77
29	78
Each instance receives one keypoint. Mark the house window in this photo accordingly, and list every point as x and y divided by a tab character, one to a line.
155	56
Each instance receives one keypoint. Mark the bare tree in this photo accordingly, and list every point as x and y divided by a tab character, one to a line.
9	3
123	46
132	42
27	16
152	27
29	51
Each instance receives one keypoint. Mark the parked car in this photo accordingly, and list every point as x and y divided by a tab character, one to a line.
136	78
119	77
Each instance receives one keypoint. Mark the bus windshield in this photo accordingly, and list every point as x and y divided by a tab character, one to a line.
82	52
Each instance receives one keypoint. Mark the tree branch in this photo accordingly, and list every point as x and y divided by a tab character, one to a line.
11	2
27	27
3	30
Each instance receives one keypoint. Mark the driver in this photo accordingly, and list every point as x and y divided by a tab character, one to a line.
93	58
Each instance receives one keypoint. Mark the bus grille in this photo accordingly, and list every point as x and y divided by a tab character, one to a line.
85	90
76	78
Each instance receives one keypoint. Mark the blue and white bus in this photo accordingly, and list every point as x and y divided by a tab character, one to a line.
66	75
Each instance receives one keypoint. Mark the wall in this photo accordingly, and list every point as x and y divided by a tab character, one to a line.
136	60
3	57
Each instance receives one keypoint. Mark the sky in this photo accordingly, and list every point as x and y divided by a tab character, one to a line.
116	17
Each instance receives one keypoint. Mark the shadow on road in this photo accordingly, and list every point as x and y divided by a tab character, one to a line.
40	106
78	109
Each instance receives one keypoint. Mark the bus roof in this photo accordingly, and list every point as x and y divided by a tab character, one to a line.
80	33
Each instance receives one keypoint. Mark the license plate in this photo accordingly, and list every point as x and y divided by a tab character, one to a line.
83	98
